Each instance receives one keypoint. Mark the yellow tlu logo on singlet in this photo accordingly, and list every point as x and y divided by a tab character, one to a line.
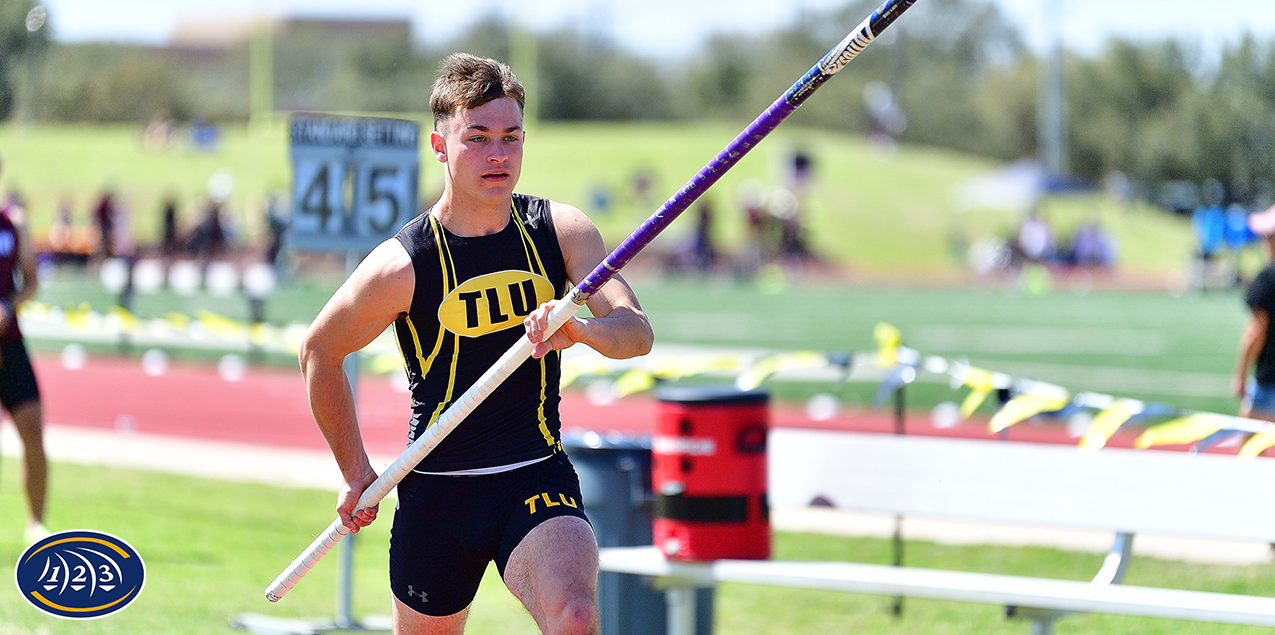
493	302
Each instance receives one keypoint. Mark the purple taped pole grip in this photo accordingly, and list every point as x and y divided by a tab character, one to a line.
834	61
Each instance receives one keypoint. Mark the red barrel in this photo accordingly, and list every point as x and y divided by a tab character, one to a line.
708	472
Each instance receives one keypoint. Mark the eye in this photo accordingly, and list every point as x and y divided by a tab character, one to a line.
477	139
512	139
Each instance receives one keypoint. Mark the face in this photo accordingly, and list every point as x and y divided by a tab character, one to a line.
482	149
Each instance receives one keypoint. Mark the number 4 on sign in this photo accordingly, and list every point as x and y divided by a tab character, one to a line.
320	209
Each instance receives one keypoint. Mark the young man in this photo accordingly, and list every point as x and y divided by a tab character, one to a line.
461	284
19	393
1257	342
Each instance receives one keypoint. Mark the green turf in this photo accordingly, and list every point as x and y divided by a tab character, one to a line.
1149	345
867	209
210	548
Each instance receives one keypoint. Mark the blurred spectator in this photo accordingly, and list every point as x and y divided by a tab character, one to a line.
204	136
104	219
643	188
69	242
600	199
122	235
1209	224
1092	247
61	232
801	173
208	239
702	252
698	253
158	134
753	203
785	207
276	225
888	121
170	241
1237	232
1036	238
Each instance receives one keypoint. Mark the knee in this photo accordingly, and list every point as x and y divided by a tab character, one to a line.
578	616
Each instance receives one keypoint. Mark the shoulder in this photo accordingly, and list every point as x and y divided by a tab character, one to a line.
415	234
387	267
14	214
1261	288
570	222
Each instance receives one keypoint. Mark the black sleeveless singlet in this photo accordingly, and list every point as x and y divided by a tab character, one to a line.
471	296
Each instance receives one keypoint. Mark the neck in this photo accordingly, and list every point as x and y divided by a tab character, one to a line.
466	216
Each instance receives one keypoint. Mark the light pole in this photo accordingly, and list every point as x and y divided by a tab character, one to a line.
36	18
1052	146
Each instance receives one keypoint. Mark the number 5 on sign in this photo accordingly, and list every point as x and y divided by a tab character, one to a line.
387	194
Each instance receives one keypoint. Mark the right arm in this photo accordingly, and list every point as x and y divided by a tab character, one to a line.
379	290
1252	340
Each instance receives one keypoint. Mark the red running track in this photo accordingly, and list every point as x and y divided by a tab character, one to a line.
269	407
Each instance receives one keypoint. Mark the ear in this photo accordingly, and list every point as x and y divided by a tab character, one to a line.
438	145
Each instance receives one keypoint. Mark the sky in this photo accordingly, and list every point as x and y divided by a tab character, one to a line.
665	29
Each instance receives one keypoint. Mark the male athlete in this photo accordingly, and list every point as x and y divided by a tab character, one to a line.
461	283
19	393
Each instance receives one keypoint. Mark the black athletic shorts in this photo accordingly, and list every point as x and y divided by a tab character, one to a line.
447	528
17	378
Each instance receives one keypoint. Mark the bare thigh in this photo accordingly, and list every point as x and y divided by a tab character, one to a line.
554	573
409	622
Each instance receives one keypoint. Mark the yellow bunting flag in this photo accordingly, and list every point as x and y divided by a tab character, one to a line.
222	326
1106	423
127	322
575	369
1257	444
632	382
981	385
1043	398
888	339
771	364
1188	429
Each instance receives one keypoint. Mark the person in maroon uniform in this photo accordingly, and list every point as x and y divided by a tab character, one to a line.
19	393
460	284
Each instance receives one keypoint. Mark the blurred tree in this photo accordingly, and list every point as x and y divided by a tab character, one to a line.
113	83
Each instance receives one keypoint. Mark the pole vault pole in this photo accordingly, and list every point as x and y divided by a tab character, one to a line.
832	62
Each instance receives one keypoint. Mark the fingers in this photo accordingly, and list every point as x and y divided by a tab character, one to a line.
355	519
538	322
359	519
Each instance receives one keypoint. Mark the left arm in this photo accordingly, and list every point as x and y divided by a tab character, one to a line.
26	265
619	328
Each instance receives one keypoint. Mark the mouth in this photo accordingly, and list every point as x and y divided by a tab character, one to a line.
496	176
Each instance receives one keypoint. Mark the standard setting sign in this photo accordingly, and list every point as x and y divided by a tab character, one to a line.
354	181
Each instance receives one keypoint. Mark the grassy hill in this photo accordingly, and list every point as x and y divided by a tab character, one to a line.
869	209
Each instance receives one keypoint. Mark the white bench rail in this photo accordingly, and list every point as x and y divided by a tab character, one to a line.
1059	595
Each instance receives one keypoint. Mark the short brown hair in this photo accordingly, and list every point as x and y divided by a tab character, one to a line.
469	81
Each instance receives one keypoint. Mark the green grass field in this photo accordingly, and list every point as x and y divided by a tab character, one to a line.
210	548
1149	345
894	212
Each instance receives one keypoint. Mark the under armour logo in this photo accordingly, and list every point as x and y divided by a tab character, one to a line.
412	593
